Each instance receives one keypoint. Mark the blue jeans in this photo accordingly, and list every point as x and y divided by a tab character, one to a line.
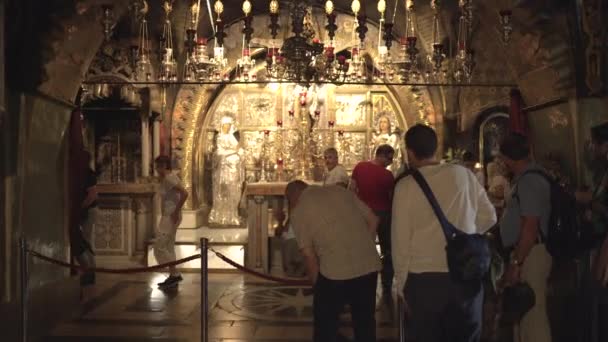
442	310
384	237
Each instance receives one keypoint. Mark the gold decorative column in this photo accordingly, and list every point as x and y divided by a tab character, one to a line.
305	135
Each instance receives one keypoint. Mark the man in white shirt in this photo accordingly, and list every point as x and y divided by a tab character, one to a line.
336	173
441	309
173	196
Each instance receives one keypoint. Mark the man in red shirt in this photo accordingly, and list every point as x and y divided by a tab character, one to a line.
374	184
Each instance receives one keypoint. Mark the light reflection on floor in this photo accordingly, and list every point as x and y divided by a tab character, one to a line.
132	308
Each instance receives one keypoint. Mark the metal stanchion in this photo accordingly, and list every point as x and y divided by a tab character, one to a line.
401	315
204	243
24	286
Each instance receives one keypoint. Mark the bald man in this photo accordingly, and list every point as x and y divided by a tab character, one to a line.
336	234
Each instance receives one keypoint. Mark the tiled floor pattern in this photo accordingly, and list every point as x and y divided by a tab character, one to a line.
242	309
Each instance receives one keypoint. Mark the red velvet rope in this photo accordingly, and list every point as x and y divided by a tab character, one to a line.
111	270
261	275
173	263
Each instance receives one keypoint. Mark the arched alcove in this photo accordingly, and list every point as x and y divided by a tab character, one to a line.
346	118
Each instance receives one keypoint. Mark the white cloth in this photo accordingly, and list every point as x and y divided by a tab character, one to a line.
169	194
418	242
164	242
336	175
288	233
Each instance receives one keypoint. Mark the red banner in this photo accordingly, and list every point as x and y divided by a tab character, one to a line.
518	121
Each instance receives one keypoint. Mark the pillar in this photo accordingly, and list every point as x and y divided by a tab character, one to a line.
145	145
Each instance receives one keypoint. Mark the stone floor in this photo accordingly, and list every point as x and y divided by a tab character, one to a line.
131	308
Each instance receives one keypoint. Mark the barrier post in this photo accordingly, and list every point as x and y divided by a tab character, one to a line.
204	289
23	271
401	317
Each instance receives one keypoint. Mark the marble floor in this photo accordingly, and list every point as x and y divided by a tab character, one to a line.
242	308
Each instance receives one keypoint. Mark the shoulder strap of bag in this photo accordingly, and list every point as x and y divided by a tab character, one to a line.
448	229
541	173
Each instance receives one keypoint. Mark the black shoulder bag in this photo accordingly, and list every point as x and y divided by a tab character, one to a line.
468	254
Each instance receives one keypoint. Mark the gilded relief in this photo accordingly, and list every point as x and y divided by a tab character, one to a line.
381	106
230	103
351	148
259	109
284	130
350	110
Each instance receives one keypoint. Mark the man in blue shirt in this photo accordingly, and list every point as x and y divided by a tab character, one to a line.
522	227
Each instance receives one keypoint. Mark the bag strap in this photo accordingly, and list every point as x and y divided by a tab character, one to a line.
541	173
446	226
515	195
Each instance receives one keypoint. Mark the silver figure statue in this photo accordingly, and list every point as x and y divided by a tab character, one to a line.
228	175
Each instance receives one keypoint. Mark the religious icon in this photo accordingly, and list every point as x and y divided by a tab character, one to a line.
227	175
385	135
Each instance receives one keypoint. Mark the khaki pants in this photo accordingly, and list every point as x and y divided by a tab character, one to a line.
534	326
164	244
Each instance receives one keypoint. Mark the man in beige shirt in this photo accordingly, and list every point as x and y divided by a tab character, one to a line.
336	233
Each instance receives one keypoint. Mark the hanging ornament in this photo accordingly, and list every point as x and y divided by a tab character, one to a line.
355	7
168	66
329	7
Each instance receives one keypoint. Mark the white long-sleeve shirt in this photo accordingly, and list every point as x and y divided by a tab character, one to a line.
418	242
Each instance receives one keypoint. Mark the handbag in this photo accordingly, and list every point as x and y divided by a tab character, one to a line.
468	255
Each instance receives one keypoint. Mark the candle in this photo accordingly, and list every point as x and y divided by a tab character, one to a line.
280	161
341	133
280	123
317	113
266	132
331	123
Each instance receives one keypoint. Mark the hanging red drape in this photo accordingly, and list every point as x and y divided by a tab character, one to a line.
518	121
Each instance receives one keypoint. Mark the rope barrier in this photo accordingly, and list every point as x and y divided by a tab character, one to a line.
173	263
258	274
111	270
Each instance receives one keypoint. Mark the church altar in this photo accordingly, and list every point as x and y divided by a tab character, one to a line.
263	200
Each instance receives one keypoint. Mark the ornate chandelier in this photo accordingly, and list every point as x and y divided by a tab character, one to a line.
302	57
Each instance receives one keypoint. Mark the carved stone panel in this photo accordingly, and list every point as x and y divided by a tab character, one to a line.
113	222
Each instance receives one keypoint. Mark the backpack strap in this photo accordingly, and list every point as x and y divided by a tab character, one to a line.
448	229
542	173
